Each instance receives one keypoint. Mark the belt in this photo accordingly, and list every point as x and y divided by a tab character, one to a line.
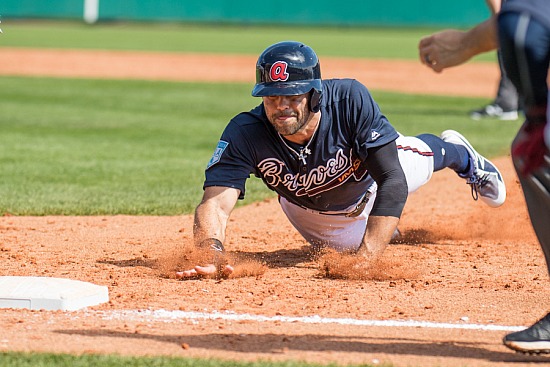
359	207
356	211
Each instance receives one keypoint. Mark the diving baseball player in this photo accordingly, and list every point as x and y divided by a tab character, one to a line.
341	170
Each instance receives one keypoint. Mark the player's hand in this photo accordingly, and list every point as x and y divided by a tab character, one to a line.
529	147
442	50
209	270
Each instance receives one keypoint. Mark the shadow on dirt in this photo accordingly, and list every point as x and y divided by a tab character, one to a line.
288	344
137	261
414	237
283	258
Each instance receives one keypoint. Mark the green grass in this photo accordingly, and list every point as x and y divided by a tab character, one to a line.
108	147
62	360
400	43
415	114
90	147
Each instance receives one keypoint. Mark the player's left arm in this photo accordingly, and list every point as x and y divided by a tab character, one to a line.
210	223
383	165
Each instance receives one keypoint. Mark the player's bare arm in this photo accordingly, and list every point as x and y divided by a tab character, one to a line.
211	217
453	47
385	168
377	236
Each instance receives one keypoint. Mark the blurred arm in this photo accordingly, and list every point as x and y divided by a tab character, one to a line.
452	47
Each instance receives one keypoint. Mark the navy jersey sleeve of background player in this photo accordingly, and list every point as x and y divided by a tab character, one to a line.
538	9
330	174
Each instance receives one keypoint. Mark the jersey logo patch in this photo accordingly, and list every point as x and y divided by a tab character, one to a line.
217	153
278	71
374	135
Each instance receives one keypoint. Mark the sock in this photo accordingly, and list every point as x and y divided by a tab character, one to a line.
447	155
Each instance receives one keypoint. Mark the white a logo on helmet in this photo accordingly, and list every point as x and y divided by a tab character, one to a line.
278	71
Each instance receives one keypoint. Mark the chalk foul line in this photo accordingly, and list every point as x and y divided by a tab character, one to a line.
171	316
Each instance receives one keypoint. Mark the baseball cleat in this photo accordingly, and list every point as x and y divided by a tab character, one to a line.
483	177
533	340
494	111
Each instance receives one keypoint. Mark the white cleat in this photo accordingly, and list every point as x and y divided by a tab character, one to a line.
484	177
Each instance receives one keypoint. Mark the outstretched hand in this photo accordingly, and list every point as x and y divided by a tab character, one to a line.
452	47
442	50
209	270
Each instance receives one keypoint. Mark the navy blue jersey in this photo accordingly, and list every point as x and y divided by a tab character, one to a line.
538	9
327	174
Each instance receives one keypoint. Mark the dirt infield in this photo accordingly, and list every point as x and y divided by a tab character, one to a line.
464	277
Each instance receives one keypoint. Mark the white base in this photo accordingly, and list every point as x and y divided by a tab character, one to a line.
44	293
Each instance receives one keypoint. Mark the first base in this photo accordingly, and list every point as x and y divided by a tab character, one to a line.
45	293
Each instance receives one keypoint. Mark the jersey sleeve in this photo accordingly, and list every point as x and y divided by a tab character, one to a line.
372	128
232	161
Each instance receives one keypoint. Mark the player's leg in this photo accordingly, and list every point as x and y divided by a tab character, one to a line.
482	175
417	161
525	45
338	232
453	151
447	155
536	189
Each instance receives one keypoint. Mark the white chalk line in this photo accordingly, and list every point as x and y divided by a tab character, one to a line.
171	316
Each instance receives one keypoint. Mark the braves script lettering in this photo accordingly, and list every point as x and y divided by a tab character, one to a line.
323	178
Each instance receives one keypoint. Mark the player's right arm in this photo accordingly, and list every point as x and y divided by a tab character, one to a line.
452	47
385	168
211	217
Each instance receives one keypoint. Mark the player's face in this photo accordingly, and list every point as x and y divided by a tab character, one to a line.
287	114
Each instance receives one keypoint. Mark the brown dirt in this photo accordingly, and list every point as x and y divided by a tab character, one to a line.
460	263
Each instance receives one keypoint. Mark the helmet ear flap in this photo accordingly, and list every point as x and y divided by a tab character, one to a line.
315	101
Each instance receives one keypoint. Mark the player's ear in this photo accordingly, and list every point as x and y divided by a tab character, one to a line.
314	101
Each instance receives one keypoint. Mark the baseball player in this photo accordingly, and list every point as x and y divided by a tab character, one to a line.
341	170
522	28
505	106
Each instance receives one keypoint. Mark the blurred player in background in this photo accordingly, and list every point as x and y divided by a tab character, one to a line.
522	32
506	103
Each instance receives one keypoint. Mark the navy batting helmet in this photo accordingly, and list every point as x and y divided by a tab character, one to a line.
289	68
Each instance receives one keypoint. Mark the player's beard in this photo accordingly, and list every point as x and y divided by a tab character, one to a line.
291	128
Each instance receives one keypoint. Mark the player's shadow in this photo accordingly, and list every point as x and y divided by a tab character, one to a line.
305	256
283	258
284	343
417	236
137	261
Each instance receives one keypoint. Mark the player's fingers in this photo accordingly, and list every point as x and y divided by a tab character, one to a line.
422	53
431	61
438	68
425	41
425	58
227	270
186	274
209	269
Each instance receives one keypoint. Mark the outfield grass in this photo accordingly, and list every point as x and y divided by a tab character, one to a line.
378	43
62	360
89	147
